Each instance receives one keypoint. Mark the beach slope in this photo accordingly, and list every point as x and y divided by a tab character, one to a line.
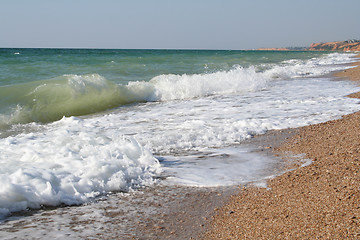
321	200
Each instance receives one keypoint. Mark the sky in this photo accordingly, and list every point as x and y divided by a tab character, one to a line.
176	24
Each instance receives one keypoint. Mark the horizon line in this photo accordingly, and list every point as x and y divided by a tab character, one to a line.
174	49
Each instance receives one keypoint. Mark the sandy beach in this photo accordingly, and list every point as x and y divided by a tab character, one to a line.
318	201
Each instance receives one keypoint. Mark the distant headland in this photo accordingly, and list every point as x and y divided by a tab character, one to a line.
346	46
349	45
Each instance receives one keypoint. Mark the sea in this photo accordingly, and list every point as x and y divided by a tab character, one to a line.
78	125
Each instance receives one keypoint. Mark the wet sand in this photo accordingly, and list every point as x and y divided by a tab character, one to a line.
318	201
157	212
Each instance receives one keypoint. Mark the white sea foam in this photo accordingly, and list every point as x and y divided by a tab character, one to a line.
170	87
65	165
172	129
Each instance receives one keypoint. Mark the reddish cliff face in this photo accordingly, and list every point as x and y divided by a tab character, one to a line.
335	46
350	45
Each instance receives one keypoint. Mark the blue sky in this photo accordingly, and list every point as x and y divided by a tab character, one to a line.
185	24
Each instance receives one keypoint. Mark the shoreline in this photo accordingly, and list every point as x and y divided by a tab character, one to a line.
159	212
321	200
174	212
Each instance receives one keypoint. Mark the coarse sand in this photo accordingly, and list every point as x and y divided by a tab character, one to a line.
318	201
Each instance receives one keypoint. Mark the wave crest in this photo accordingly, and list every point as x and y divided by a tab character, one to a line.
76	95
171	87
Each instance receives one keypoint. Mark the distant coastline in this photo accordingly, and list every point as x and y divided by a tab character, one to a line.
346	46
273	49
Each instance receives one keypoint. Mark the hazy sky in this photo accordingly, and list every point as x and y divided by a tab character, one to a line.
200	24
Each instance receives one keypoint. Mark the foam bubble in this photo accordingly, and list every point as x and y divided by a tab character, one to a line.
170	87
63	165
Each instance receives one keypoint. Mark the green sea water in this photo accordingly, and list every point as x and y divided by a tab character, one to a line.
42	85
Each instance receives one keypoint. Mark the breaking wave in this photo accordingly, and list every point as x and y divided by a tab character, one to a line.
76	95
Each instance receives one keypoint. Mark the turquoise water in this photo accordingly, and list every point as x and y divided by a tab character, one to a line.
43	85
122	66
